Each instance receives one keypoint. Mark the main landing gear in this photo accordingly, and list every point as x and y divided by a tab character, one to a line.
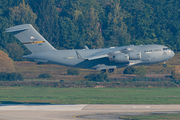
103	71
164	65
110	70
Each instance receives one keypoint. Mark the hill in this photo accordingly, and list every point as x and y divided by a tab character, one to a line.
72	24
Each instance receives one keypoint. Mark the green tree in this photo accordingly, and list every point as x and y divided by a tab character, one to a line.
15	51
45	75
5	22
97	77
69	36
153	22
140	71
129	70
168	24
47	20
22	14
115	31
68	24
93	36
4	76
4	37
87	16
89	22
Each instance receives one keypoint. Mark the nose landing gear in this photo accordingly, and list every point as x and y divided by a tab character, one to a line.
164	65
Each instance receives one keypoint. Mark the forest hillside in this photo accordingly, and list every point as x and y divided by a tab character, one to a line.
72	24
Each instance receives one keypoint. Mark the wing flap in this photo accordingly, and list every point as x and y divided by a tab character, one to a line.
96	57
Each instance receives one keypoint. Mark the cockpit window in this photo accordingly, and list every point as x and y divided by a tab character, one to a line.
165	48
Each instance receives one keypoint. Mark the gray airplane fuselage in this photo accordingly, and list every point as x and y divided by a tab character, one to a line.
149	54
98	59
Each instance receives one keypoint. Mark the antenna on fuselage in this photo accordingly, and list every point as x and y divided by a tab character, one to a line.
86	47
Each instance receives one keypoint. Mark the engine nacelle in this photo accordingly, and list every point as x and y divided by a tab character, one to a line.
120	58
134	55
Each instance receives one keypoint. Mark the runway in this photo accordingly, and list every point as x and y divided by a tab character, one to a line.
81	111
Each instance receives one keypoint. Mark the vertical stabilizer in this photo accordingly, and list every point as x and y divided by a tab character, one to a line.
30	38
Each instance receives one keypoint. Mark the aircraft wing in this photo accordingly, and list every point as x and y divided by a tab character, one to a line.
108	53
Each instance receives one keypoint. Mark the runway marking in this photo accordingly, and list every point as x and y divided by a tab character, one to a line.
141	106
129	106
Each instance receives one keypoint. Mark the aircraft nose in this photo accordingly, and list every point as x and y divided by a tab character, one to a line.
172	53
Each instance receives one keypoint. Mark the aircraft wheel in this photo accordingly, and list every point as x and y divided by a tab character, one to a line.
164	65
103	71
111	70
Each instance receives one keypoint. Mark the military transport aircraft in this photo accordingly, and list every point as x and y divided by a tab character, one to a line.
98	59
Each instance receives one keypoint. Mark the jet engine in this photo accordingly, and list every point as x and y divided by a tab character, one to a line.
120	58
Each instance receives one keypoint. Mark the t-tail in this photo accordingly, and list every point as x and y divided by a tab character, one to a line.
30	38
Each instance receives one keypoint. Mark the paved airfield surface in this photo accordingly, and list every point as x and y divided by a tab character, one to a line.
80	112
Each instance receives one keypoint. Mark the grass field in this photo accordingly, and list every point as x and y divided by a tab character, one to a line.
35	95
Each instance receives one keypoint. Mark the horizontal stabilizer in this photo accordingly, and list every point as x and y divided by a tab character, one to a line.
28	36
17	28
